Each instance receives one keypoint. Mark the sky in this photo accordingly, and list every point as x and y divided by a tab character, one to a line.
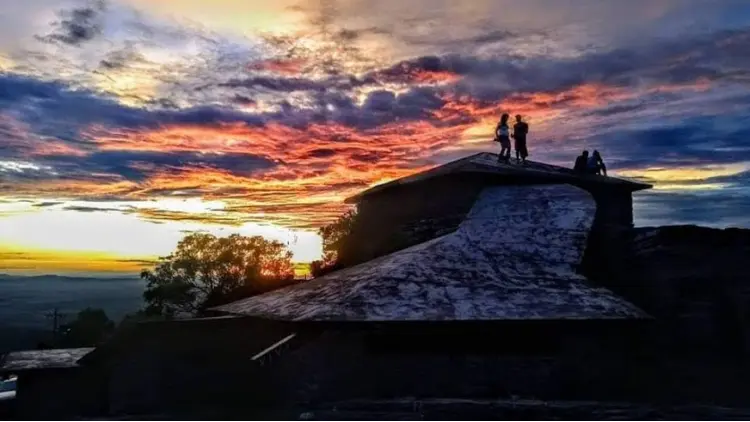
125	124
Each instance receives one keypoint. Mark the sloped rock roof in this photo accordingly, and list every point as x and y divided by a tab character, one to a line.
487	163
512	258
42	359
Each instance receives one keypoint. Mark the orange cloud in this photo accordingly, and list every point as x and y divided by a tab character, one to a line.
43	261
315	168
19	136
291	66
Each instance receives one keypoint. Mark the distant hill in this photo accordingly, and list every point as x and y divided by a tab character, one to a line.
26	301
48	277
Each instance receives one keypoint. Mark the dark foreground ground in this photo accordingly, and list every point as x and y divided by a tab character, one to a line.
409	409
693	361
26	304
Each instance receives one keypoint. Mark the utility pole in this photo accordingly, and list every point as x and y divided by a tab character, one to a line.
57	318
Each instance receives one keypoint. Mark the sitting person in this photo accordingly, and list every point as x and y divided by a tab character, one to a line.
581	162
595	164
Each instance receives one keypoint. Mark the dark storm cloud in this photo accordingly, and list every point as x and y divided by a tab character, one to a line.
380	101
709	58
54	110
383	106
57	110
77	26
715	208
617	109
276	84
139	165
676	145
122	58
713	57
83	208
61	112
644	142
243	100
286	84
46	204
491	36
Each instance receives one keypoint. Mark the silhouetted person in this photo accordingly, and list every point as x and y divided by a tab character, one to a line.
581	162
502	135
520	130
595	164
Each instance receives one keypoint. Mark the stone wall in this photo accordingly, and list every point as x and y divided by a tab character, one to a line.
695	281
609	239
410	215
341	366
510	409
59	394
190	366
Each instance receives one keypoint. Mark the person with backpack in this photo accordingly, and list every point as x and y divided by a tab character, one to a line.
502	135
520	130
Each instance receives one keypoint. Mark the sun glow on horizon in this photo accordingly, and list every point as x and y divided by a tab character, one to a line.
685	174
126	124
67	235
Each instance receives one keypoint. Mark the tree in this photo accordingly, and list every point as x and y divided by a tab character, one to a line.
206	271
90	327
336	245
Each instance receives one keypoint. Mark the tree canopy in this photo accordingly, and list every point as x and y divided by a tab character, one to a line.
206	271
336	240
90	327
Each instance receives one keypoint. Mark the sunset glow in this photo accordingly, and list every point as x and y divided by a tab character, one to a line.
154	119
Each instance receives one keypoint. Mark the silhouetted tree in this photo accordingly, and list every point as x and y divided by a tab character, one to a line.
90	327
319	268
206	271
336	243
139	316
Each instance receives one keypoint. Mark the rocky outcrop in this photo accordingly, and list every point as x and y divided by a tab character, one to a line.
452	409
512	258
689	362
695	282
411	409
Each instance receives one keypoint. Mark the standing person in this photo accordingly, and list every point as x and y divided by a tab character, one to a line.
502	135
520	130
581	162
596	165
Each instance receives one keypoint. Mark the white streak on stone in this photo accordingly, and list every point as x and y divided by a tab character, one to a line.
43	359
513	257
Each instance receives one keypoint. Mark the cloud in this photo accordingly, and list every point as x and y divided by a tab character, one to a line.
284	126
46	204
122	58
725	207
78	25
89	209
276	84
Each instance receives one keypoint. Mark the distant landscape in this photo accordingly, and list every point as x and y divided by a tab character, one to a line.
25	303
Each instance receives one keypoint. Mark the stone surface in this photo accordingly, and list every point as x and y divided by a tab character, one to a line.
514	409
513	257
485	162
42	359
696	282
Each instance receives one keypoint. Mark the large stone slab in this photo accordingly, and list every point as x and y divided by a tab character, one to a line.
42	359
512	258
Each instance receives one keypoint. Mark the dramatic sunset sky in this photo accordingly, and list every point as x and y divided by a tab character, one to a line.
125	124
